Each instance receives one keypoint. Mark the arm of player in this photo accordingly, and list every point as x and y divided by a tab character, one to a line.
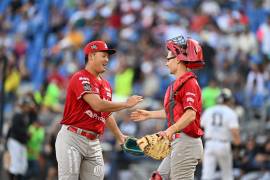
141	115
236	136
111	124
184	121
101	105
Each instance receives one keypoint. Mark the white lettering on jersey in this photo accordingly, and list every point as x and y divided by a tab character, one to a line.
190	93
109	94
84	78
190	99
85	82
93	115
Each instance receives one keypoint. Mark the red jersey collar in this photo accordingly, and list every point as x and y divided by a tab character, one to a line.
183	78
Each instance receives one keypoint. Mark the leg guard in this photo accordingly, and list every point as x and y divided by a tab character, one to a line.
156	176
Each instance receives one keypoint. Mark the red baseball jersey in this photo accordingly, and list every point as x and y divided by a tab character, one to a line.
78	112
188	96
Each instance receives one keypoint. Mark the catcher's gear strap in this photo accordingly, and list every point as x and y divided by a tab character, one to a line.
173	93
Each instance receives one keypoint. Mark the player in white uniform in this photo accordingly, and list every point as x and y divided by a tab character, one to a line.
221	127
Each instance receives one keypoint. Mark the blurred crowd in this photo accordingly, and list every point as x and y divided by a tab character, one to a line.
42	42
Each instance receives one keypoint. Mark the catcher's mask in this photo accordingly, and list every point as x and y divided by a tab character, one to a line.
225	96
187	51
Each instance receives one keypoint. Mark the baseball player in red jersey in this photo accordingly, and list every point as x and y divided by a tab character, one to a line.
87	110
182	108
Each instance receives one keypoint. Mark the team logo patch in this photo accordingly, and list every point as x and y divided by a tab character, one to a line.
83	78
94	47
86	87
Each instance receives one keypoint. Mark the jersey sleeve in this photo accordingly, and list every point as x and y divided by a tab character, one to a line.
82	85
233	123
189	95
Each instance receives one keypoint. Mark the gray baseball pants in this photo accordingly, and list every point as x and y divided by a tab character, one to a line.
181	163
78	157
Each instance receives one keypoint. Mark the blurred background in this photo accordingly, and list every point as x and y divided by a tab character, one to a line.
41	44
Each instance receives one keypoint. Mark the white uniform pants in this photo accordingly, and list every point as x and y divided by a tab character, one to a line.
78	157
217	152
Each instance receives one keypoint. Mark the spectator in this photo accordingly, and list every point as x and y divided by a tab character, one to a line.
17	138
210	94
263	35
34	146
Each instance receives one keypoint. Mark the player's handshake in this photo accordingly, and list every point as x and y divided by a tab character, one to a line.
133	100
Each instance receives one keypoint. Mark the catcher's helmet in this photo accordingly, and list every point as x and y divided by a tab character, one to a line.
186	50
225	96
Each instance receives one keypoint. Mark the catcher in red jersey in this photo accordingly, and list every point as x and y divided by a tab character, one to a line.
182	108
87	110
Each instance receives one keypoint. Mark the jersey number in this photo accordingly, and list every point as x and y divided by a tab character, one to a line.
217	119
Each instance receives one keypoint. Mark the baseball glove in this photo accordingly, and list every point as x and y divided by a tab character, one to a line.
131	146
155	146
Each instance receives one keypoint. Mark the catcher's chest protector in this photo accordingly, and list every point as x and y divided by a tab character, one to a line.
173	94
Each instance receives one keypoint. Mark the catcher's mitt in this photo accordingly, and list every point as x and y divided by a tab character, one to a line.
155	146
131	146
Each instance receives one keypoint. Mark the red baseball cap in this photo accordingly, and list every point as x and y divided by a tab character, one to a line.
96	46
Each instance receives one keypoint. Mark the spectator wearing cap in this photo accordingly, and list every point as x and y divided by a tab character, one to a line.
17	138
